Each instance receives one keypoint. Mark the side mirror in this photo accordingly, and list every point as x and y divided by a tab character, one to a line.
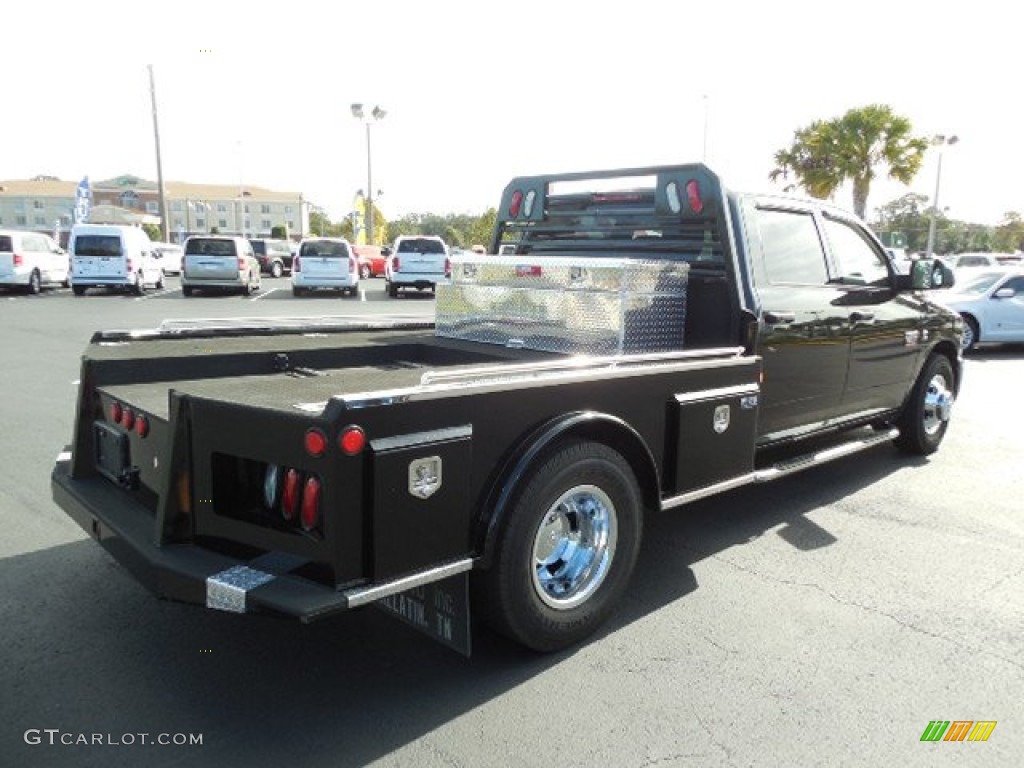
1004	293
927	274
385	251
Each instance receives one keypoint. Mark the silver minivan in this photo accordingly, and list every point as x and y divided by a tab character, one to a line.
220	263
29	260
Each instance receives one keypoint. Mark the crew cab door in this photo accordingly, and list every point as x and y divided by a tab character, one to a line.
886	328
803	337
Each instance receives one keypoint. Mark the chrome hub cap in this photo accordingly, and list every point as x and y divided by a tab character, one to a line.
938	404
574	547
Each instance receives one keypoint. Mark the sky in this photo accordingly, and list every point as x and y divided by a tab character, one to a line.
478	92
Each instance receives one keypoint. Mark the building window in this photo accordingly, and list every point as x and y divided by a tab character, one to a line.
221	208
37	204
264	208
40	221
265	223
152	207
291	225
222	223
248	224
287	209
21	221
179	224
176	205
201	223
246	207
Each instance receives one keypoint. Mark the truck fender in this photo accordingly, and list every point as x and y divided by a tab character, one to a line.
590	425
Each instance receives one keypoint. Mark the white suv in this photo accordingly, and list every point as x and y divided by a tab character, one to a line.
29	260
417	261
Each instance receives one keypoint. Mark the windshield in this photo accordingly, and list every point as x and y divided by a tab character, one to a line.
420	245
978	284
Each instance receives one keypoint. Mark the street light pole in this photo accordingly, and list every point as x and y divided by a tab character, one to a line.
940	141
376	115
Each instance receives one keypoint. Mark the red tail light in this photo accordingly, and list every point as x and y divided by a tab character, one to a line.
352	267
310	517
447	267
290	494
516	204
296	265
352	440
115	412
128	265
316	442
142	425
395	265
242	264
693	195
128	418
18	259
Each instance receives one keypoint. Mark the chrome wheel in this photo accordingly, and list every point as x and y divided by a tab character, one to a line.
938	404
574	547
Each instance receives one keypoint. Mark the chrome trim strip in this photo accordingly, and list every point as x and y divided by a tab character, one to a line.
357	597
718	394
575	363
499	380
421	438
708	490
822	457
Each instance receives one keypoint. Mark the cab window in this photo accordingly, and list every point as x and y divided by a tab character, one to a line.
791	247
856	261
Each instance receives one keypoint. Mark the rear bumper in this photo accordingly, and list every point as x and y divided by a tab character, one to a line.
300	280
187	573
191	574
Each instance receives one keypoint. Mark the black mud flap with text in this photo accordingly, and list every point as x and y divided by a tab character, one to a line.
439	610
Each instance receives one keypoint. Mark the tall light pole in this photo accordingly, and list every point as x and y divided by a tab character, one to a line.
165	225
375	115
939	141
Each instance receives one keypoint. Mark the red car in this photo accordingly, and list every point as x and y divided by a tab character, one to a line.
371	261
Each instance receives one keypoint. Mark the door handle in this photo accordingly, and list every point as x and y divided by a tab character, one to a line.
778	318
857	316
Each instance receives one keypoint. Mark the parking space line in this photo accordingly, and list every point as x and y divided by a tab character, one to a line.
262	294
163	292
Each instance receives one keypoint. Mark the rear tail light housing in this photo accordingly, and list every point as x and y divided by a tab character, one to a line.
128	418
128	265
316	442
116	412
19	260
352	440
242	264
447	267
353	267
693	196
296	265
290	494
396	265
141	425
309	516
515	204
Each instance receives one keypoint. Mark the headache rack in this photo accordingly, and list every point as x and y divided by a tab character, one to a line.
665	212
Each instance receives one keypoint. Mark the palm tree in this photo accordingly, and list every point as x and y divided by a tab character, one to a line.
826	154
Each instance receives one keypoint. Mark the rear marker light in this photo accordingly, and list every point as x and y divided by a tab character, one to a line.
516	204
141	425
290	494
128	418
352	441
675	203
693	194
115	413
310	517
19	260
316	442
271	485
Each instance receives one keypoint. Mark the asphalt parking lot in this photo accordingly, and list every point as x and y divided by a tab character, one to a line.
825	619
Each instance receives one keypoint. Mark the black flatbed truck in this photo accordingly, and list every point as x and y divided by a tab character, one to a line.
509	451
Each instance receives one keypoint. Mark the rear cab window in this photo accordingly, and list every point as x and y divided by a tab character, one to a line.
324	248
202	246
97	245
420	245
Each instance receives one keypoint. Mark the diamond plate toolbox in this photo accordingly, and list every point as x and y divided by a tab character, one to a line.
586	306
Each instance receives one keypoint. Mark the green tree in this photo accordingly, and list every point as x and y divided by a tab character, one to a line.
827	153
1009	234
153	231
279	232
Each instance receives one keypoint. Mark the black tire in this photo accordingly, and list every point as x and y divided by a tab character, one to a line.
160	281
971	333
139	288
296	291
78	290
925	417
186	290
35	283
532	593
392	290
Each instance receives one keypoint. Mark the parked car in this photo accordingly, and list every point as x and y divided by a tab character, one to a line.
30	260
372	260
325	263
219	262
112	256
991	303
977	260
274	256
417	261
170	257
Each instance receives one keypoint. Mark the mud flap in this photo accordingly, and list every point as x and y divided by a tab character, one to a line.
439	610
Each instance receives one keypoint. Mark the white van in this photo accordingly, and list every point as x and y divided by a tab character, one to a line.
113	256
29	260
